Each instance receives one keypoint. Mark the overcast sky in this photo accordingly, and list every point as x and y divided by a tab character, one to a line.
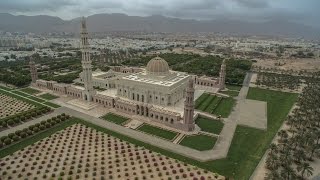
306	11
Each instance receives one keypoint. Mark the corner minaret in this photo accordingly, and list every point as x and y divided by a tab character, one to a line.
222	75
86	63
33	70
189	107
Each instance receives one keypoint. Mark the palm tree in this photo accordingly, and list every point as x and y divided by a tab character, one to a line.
305	169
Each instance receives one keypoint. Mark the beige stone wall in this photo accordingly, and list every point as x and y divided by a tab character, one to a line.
74	92
206	81
168	118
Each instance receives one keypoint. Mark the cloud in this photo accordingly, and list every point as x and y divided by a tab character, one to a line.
292	10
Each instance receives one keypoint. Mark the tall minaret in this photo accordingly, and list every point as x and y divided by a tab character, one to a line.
222	75
189	107
33	70
86	63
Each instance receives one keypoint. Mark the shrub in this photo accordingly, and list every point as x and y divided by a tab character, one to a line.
23	134
61	173
43	122
42	127
1	145
16	120
35	129
37	125
11	135
15	138
11	122
31	127
18	132
7	141
3	138
3	124
29	132
48	125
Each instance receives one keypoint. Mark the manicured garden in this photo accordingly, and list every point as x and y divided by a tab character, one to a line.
231	93
199	142
36	99
5	88
22	138
30	91
215	104
23	116
115	118
12	94
159	132
248	144
233	87
52	104
209	125
48	96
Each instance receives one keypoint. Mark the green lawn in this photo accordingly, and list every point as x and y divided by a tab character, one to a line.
36	99
159	132
114	118
200	99
52	104
205	103
12	94
21	93
234	87
215	104
199	142
48	96
249	144
6	88
231	93
209	125
225	107
30	91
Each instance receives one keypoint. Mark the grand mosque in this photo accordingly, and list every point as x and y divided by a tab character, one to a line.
148	92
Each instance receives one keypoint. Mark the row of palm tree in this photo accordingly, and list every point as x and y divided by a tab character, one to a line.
299	144
259	69
279	81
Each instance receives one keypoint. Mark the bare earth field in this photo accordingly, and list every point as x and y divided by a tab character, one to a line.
81	152
10	106
294	64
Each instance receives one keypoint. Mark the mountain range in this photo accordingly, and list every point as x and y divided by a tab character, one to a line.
155	23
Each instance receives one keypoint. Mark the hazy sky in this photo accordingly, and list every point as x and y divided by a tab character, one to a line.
306	11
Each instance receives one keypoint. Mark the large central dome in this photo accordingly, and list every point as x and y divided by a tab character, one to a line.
157	66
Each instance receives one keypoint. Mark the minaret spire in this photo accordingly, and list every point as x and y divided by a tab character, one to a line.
189	107
222	75
86	63
33	70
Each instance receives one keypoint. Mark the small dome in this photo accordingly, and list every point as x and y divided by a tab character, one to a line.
157	66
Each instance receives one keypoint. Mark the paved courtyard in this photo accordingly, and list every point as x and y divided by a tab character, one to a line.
253	114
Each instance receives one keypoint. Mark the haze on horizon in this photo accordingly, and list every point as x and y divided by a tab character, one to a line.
305	12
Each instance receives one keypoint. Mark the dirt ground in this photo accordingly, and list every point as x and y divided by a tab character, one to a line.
294	64
80	152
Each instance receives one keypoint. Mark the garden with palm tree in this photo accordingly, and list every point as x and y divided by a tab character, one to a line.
297	145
